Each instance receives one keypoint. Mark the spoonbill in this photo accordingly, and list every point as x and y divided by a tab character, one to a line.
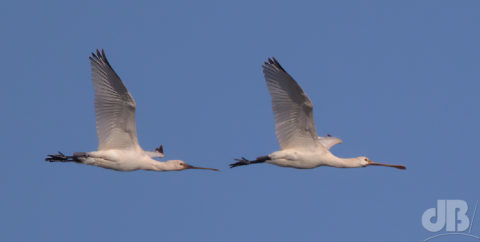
118	147
301	147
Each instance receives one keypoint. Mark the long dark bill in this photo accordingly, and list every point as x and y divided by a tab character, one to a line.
371	163
200	168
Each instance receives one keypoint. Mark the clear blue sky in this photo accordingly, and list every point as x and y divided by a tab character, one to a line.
398	81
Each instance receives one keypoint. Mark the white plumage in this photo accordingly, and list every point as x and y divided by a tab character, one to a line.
301	147
114	107
118	147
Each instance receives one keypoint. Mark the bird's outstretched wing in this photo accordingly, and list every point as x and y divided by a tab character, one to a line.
114	107
292	109
329	141
158	152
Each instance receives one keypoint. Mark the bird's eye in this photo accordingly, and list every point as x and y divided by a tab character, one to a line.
366	160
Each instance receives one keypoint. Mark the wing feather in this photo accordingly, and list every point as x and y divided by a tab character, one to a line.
293	110
329	141
114	107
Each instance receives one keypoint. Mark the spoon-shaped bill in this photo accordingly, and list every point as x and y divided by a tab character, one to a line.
200	168
371	163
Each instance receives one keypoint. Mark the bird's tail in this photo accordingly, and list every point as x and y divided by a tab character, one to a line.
60	157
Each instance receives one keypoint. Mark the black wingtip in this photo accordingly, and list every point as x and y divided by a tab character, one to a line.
160	149
99	54
277	64
274	62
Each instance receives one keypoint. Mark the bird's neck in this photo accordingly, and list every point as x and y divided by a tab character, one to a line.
344	162
154	165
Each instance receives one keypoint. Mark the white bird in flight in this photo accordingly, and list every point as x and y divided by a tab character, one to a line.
301	147
118	147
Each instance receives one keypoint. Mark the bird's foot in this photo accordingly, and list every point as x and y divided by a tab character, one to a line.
66	158
58	157
240	162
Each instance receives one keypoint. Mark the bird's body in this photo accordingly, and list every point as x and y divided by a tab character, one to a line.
118	147
301	159
301	147
121	160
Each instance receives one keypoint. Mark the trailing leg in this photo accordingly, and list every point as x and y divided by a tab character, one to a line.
244	162
60	157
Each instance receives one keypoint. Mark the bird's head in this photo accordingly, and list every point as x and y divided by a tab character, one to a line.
179	165
364	161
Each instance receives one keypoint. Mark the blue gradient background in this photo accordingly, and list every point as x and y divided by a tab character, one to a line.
398	81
